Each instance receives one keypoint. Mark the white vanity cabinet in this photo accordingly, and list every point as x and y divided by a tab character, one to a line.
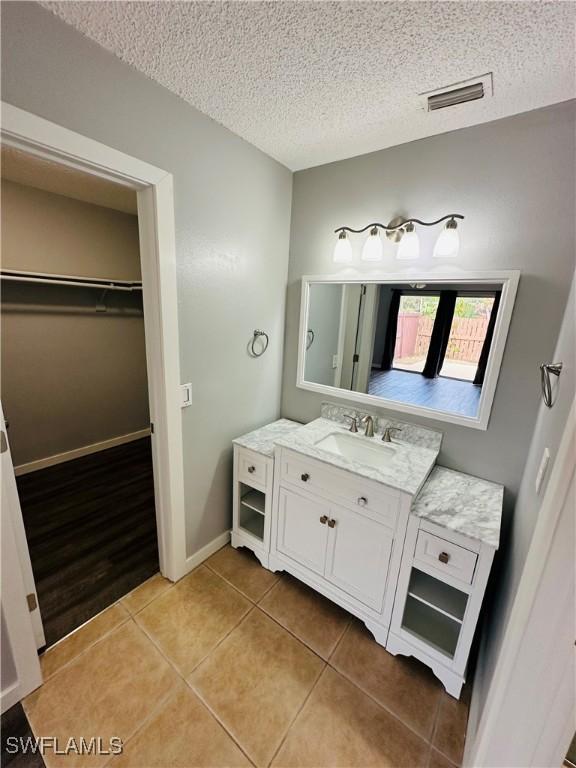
441	585
253	486
339	533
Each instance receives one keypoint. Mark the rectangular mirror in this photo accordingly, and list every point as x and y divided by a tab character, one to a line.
425	345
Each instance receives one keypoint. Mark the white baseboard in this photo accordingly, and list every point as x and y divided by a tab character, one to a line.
60	458
203	554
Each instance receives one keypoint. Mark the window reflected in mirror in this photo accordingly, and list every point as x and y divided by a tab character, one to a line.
421	345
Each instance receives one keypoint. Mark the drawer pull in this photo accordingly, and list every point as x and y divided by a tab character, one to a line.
251	469
331	523
443	557
324	519
362	500
305	477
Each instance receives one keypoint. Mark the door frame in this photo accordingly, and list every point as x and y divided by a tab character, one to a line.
154	187
555	741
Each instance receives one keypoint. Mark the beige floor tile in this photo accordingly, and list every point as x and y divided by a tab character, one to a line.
192	617
183	734
140	597
403	685
73	645
340	726
107	691
450	732
256	681
243	570
438	760
315	620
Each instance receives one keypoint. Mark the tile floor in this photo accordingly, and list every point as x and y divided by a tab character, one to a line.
236	666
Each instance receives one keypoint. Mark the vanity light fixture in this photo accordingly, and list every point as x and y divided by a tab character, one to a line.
402	231
372	250
409	245
342	249
448	243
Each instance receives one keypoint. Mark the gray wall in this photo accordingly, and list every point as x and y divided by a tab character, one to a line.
513	179
324	320
71	376
232	227
550	425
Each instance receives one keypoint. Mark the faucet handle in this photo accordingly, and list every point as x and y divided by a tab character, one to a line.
354	423
388	431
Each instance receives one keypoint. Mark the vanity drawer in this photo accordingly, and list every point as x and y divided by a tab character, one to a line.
445	556
341	486
252	468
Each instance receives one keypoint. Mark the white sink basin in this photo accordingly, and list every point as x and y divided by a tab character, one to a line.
360	449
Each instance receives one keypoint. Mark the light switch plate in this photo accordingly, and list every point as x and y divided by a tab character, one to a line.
185	395
544	461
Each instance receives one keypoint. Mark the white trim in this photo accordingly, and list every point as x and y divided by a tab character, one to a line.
534	568
207	551
507	279
30	133
16	616
76	453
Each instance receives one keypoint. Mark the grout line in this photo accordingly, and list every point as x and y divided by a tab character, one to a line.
216	716
219	643
379	703
340	639
168	588
278	580
163	702
222	724
305	701
158	647
290	632
91	645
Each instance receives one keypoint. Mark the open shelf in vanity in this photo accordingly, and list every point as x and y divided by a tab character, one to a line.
252	510
434	612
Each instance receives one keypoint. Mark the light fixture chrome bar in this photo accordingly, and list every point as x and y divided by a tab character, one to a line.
403	222
43	278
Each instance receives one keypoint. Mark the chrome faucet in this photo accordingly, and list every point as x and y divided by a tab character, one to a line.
369	432
386	436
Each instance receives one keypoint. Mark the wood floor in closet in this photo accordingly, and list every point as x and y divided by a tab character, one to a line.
91	530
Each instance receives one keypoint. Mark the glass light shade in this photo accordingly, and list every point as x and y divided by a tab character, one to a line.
372	250
342	250
409	246
448	243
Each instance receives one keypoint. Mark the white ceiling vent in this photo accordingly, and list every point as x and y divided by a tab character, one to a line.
458	93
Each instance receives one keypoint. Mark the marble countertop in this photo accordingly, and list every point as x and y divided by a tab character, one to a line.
407	470
462	503
262	440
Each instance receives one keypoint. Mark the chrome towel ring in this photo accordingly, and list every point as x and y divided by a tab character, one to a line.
258	334
545	370
309	338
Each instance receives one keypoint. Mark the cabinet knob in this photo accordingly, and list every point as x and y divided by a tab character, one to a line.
443	557
251	469
362	500
324	519
331	523
305	477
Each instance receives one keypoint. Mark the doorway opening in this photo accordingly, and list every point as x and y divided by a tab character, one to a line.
75	386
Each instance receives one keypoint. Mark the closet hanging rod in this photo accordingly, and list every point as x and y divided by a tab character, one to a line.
84	282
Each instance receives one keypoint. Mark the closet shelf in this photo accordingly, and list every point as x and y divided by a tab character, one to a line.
45	278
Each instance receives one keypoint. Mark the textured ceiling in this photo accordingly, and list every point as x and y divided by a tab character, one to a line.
53	177
313	82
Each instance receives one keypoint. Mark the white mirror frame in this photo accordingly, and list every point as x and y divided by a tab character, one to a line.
506	281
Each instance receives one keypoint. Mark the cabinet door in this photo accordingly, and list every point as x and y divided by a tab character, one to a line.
359	552
303	530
